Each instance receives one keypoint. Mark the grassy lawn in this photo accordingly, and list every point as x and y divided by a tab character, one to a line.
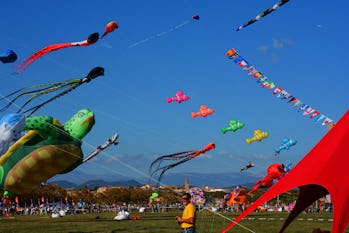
264	222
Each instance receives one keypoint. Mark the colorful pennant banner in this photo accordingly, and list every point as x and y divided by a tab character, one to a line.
279	92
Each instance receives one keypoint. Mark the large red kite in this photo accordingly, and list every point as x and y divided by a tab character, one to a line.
324	170
93	38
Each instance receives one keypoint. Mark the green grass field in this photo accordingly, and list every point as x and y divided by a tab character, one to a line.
207	222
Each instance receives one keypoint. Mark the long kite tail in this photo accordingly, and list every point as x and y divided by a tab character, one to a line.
24	64
35	91
99	149
182	156
37	107
159	160
94	73
175	156
167	167
93	38
264	13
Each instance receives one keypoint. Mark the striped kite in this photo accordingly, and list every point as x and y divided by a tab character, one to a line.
264	13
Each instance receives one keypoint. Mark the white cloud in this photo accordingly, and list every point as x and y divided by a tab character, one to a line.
263	48
275	44
280	43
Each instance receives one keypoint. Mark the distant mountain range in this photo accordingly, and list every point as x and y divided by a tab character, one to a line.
78	179
91	184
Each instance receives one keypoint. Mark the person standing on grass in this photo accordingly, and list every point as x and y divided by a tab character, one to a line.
187	221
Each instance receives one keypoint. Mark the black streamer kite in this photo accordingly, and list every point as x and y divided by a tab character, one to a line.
264	13
181	157
39	90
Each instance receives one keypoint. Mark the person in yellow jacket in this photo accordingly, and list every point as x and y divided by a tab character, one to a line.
187	221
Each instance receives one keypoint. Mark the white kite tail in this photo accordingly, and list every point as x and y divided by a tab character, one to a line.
109	142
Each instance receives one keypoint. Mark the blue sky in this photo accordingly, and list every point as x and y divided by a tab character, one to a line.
159	49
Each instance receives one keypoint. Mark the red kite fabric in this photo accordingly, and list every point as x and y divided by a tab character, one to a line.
93	38
324	170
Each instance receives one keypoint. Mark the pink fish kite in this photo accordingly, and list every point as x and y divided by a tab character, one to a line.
179	97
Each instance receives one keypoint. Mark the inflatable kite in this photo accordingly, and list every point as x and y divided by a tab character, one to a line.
8	56
111	26
11	127
198	197
325	166
47	149
279	92
93	38
288	167
204	112
248	166
39	90
264	13
233	126
286	144
58	214
196	17
122	215
179	97
181	157
274	172
236	197
258	136
154	196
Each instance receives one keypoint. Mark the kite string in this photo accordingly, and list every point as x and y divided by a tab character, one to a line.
159	34
230	220
114	158
133	169
90	145
113	116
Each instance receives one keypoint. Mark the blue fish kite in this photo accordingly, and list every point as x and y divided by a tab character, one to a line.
286	144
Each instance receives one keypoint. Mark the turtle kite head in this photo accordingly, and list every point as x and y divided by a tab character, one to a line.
80	124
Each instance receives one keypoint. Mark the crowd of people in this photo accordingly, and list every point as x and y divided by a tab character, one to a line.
10	207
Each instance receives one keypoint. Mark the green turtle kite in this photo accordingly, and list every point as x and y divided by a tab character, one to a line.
46	149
